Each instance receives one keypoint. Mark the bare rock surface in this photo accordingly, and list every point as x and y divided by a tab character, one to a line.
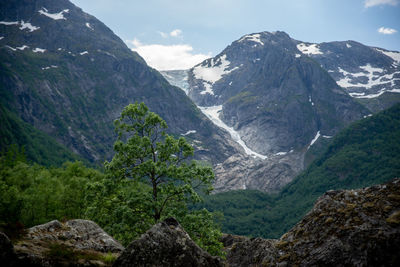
166	244
73	243
345	228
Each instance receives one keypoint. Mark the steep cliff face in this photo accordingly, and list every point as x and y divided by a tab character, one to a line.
345	228
275	102
64	72
276	98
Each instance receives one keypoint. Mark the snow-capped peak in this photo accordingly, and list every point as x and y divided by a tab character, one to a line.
252	37
213	73
392	54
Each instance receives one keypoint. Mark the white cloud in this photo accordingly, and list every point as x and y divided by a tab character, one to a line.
163	34
135	42
168	57
175	33
384	30
371	3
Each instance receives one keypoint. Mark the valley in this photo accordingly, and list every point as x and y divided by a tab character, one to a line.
270	125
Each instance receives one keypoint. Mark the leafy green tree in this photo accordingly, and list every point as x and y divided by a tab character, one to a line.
146	153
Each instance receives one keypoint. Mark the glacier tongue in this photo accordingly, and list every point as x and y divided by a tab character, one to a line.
213	114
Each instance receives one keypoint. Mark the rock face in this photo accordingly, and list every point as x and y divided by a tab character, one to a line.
274	99
51	78
365	72
243	251
370	74
74	243
345	228
165	244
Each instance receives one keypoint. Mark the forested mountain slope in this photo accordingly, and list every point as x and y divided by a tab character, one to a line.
66	74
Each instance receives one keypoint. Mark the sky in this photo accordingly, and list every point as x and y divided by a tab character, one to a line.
178	34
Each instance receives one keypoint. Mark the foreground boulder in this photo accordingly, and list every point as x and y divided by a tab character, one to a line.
345	228
166	244
74	243
7	254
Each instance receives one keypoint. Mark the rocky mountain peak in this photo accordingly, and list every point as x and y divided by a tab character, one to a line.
274	99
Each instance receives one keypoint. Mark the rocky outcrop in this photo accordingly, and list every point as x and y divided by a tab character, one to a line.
245	172
243	251
74	243
345	228
7	254
165	244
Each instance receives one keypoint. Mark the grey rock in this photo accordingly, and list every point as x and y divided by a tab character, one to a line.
165	244
79	237
276	99
344	228
84	234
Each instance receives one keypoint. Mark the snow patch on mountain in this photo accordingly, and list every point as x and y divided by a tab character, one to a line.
55	16
213	114
22	47
84	53
189	132
8	23
373	76
213	73
27	25
39	50
392	54
314	140
89	26
309	49
12	48
348	45
363	95
1	37
50	67
24	25
310	100
253	38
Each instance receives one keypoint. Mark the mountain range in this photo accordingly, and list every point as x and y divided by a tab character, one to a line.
283	99
258	112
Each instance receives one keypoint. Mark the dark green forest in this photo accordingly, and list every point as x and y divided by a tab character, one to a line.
365	153
38	146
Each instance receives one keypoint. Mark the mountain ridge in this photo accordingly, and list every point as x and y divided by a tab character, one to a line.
50	77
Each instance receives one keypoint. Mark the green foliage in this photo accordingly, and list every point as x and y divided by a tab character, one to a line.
363	154
118	207
149	179
151	156
33	194
38	146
